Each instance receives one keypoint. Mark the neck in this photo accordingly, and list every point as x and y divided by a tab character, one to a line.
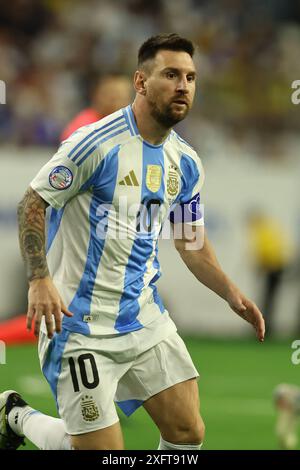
151	130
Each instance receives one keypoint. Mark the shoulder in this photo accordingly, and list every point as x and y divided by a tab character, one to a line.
181	144
99	137
113	130
186	151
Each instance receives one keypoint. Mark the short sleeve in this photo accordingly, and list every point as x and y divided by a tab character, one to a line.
64	175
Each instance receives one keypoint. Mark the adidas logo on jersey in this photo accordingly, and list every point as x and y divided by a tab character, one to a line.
129	180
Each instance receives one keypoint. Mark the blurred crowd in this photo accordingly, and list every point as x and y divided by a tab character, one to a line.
51	51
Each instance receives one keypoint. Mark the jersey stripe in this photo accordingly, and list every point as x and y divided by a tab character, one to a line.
81	303
190	176
125	113
182	140
54	223
132	120
52	366
156	295
92	133
91	150
142	250
96	136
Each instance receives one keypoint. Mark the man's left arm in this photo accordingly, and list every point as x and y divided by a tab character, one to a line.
198	255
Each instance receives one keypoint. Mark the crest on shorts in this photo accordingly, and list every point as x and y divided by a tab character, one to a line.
89	409
172	181
153	177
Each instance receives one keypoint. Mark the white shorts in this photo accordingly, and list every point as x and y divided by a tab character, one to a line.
88	374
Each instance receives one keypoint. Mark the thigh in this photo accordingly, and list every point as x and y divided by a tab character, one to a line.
166	364
110	438
177	405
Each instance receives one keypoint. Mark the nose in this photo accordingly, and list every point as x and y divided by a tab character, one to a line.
182	85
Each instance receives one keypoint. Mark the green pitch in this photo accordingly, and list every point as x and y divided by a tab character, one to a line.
237	379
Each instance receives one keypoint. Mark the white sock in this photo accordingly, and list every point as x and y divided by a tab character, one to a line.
46	432
165	445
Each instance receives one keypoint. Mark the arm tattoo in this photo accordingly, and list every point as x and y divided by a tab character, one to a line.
31	219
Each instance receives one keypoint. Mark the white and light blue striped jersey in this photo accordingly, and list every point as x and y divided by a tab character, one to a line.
102	186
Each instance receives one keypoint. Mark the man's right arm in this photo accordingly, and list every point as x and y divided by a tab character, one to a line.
31	219
43	298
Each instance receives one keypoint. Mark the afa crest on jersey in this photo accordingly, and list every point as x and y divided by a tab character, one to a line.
172	181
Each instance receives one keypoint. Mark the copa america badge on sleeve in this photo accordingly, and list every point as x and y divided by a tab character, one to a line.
61	177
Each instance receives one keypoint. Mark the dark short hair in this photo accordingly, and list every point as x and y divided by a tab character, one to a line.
167	42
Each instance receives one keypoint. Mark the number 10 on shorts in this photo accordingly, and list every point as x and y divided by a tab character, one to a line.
82	361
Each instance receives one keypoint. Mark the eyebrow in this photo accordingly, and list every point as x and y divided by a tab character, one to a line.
174	69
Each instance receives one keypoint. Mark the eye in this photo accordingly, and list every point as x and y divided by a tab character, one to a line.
170	75
190	78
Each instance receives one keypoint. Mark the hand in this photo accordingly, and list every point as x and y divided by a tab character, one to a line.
44	299
247	309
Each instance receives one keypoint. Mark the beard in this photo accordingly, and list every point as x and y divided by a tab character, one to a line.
165	115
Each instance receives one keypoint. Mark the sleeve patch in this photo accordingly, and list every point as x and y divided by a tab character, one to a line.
61	177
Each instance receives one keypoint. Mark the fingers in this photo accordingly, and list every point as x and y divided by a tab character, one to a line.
251	313
256	318
48	312
65	311
44	300
30	314
259	324
57	317
40	310
57	310
261	330
49	323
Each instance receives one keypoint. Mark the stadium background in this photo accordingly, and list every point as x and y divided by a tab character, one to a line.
246	130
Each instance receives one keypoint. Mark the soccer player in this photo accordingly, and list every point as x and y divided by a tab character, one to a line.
111	186
110	93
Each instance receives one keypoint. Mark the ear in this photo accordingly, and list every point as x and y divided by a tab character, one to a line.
140	82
